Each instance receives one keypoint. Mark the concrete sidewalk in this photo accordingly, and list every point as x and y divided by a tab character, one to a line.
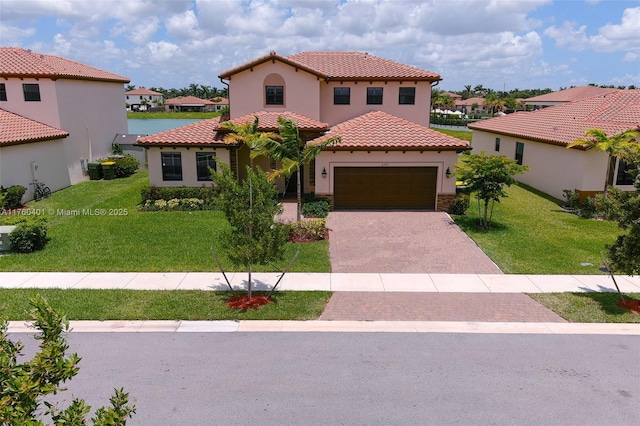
488	316
374	282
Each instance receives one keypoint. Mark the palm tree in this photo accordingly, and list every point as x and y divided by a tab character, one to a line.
247	134
291	152
467	90
615	146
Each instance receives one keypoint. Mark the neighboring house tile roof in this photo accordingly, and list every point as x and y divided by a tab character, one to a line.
562	124
143	91
188	100
380	131
570	95
343	66
470	102
23	63
201	133
220	100
209	132
16	129
268	121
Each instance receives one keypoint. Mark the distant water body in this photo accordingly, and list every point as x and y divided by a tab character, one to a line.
151	126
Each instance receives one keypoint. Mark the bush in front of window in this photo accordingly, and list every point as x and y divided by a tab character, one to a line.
190	198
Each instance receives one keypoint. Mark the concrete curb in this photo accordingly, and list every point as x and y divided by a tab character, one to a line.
339	327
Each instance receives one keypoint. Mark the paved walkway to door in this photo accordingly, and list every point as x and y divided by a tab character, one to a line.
403	241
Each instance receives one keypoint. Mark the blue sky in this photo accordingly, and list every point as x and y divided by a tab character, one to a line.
500	44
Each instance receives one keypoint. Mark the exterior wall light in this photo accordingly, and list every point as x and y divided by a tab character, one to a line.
448	173
324	172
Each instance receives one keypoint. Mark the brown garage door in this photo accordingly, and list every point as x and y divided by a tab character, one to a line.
385	187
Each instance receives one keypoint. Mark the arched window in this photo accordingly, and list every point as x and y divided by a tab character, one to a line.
273	90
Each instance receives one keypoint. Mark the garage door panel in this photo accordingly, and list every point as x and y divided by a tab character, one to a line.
385	187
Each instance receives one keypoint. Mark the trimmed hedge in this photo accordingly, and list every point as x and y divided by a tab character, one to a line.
123	167
152	197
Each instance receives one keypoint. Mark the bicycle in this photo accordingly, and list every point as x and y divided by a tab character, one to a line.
40	191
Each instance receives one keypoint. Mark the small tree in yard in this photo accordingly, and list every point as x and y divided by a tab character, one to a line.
23	385
486	176
255	238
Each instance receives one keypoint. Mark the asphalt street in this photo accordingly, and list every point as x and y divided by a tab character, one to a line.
360	378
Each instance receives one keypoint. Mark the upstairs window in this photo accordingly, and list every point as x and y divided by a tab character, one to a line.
519	152
3	92
407	96
341	96
171	166
497	144
374	95
274	95
31	92
204	160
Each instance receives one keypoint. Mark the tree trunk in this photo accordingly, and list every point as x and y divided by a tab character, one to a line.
249	286
298	196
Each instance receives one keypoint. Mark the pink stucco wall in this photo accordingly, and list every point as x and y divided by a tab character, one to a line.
334	114
301	91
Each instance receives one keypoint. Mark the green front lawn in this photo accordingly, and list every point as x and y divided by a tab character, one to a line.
102	305
116	237
532	235
588	307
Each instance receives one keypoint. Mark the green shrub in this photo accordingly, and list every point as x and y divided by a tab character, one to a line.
12	197
186	196
318	208
29	235
460	204
126	166
308	230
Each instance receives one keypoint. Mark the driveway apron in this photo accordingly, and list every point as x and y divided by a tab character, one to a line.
403	242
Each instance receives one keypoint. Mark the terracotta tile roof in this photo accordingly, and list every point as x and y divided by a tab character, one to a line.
220	100
204	133
614	113
470	101
142	91
16	129
18	62
570	95
268	121
378	130
209	132
343	66
188	100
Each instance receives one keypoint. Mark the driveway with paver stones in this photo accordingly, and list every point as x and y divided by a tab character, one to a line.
403	241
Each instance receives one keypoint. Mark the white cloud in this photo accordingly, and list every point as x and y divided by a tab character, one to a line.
183	26
162	50
610	38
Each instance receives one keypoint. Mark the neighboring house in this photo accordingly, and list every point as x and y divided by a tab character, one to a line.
129	145
189	104
80	101
31	151
453	96
567	95
142	99
471	106
380	108
539	139
219	103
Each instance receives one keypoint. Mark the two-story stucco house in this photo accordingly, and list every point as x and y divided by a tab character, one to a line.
142	99
57	115
387	158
